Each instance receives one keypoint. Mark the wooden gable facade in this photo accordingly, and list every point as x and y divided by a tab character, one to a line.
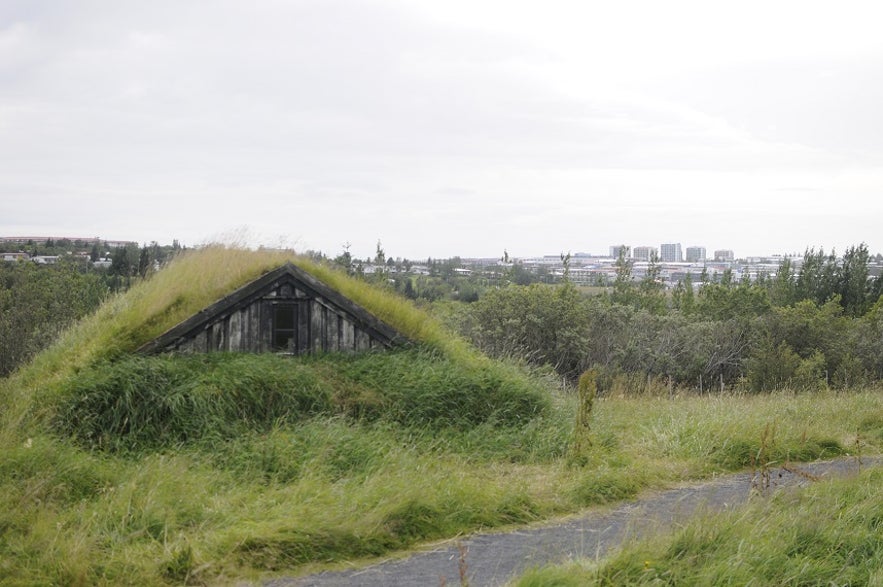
285	311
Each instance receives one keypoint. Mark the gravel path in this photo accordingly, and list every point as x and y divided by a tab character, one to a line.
493	559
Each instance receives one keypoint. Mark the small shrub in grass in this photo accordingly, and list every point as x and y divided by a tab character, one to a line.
581	441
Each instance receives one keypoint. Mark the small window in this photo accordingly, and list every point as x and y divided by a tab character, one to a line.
285	328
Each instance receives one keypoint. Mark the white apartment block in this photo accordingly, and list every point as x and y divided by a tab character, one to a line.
643	253
617	249
671	253
695	254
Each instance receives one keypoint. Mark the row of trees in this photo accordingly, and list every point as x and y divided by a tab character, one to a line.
819	278
37	302
800	346
819	326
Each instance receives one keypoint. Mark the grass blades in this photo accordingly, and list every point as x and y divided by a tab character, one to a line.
145	403
828	534
298	496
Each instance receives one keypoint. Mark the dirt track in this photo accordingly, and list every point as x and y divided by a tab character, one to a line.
494	559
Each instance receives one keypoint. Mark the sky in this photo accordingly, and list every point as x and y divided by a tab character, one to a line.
443	128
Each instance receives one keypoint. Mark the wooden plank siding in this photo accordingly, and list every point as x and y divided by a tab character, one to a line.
284	305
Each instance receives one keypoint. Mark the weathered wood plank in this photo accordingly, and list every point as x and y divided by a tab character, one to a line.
303	327
217	336
317	326
348	336
234	331
332	331
263	334
200	342
363	341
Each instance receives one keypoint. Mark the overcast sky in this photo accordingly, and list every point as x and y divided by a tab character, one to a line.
445	127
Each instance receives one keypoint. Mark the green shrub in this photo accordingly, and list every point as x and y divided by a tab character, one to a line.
581	440
810	374
771	366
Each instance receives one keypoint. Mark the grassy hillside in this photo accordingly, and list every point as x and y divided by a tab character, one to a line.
210	469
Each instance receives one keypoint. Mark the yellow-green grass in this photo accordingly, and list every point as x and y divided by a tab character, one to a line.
830	533
294	499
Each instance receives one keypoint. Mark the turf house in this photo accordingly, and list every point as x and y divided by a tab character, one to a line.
286	310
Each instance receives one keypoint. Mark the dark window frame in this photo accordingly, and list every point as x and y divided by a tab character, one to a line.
288	329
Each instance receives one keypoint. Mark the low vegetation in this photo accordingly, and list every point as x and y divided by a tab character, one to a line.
732	337
119	469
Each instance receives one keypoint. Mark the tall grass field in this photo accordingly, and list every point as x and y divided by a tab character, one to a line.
119	469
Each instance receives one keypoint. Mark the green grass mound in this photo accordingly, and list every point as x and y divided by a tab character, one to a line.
190	283
153	402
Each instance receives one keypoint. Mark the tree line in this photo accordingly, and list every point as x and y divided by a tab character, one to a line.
819	325
37	302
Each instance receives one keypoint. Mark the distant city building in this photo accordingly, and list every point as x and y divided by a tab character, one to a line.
724	255
616	250
643	253
23	240
671	253
695	254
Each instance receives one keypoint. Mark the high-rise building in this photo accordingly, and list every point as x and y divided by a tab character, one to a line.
616	250
671	253
695	254
643	253
724	255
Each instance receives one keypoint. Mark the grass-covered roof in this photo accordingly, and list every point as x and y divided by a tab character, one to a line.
191	282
